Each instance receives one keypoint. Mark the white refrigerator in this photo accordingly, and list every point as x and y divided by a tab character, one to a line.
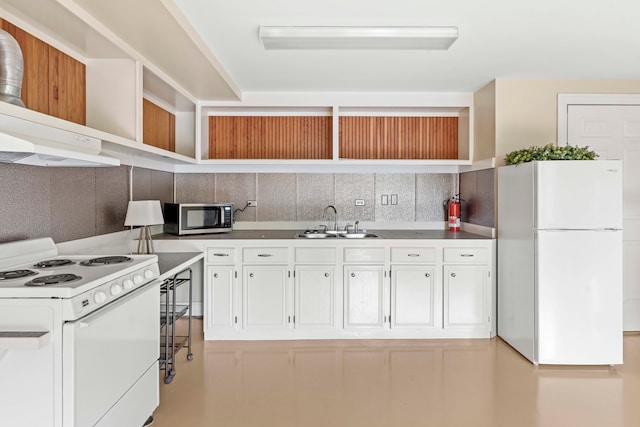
560	261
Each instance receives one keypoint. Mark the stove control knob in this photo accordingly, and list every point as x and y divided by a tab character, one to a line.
137	279
100	297
127	284
148	274
116	289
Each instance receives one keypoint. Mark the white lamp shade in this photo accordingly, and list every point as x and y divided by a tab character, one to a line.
144	212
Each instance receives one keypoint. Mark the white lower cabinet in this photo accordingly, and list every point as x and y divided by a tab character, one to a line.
274	289
314	293
264	297
466	297
364	296
414	297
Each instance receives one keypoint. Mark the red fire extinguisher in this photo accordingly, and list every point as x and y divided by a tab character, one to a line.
454	213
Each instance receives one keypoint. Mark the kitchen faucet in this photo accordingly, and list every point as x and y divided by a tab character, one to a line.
335	216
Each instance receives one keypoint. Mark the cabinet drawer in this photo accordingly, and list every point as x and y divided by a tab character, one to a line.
315	255
363	254
221	255
265	255
466	255
417	255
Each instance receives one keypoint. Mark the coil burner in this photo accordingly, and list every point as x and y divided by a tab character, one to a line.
53	279
15	274
50	263
106	260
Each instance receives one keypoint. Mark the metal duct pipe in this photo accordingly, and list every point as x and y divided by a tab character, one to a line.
11	69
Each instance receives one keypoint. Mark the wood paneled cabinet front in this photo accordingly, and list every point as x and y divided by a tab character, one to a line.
53	82
359	137
158	126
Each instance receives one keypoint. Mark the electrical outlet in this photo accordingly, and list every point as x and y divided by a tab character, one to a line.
252	203
359	202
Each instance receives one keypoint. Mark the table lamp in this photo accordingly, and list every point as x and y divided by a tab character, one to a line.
144	213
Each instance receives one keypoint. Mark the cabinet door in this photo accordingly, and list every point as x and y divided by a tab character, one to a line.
412	297
314	295
264	299
465	296
218	298
363	294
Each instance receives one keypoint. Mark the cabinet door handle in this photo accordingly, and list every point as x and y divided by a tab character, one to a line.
353	274
250	274
453	274
326	274
427	275
414	255
220	254
466	255
265	255
215	275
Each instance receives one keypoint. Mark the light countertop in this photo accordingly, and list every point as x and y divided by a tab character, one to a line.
171	263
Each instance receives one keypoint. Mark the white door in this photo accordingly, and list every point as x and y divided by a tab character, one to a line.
363	292
465	296
579	297
265	297
219	313
578	195
613	131
314	296
412	297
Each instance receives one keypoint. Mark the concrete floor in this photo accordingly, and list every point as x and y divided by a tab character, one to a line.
385	383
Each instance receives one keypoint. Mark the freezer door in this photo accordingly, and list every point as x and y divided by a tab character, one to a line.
579	297
579	194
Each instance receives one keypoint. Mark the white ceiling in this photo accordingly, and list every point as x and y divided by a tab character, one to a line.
572	39
211	49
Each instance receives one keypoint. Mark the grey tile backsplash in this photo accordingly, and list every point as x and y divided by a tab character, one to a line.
302	196
62	203
73	203
477	194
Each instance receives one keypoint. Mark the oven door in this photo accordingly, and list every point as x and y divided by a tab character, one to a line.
105	354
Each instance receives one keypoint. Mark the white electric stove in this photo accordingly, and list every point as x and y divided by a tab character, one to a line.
79	337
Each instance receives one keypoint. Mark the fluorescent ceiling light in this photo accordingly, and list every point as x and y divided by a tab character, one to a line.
409	38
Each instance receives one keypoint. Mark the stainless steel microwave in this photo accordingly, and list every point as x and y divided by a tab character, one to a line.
198	218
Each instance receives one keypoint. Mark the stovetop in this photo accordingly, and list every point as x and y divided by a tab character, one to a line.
66	276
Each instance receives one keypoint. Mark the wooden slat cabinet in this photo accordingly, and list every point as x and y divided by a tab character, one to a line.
66	87
53	83
158	126
270	137
311	137
409	138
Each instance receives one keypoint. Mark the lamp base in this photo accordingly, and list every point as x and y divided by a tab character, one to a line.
145	244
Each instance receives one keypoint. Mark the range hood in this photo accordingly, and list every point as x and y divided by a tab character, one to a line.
78	151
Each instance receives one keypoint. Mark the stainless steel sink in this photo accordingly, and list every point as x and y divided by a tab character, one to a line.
315	235
359	235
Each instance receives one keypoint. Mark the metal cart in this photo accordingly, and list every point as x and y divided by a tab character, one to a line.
170	312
